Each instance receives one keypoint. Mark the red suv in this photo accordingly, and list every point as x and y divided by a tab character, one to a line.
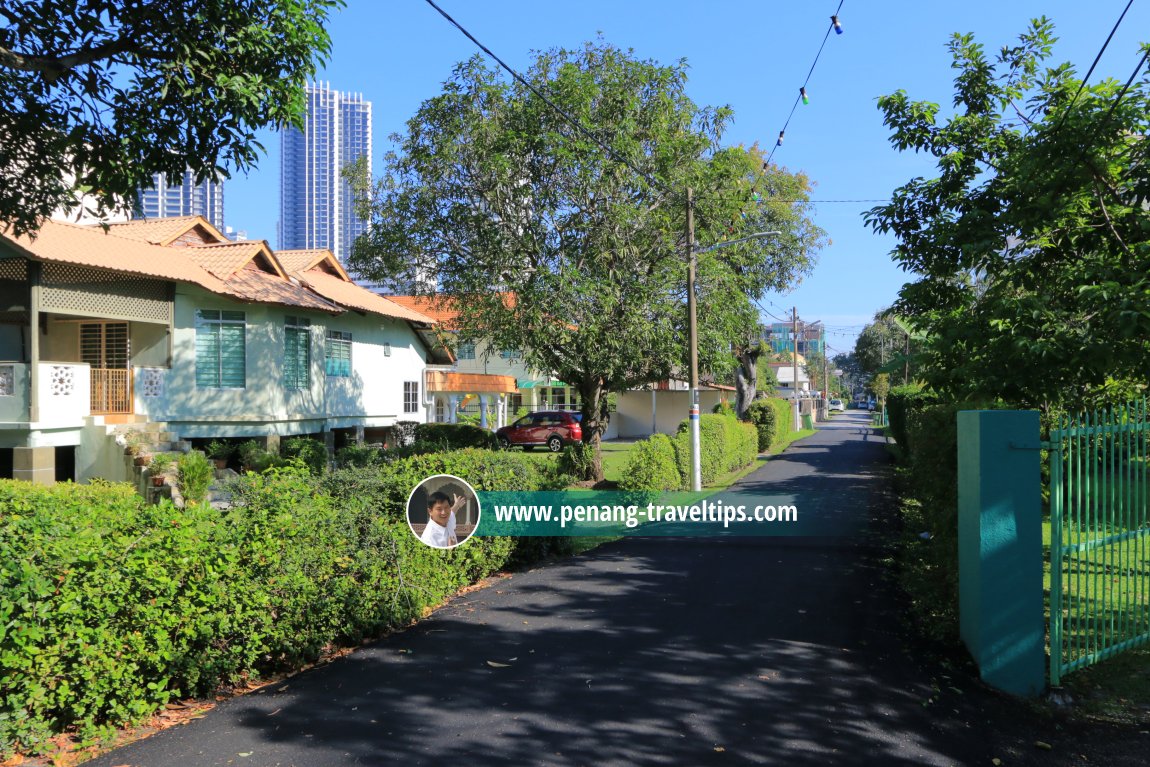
553	428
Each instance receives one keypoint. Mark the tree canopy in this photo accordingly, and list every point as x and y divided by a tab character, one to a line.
547	243
1031	247
100	94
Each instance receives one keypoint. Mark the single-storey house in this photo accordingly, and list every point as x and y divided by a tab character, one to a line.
167	321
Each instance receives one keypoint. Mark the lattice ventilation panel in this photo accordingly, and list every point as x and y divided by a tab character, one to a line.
13	269
98	293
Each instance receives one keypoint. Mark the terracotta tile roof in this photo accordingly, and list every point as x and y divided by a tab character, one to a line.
302	260
261	287
162	231
469	383
438	308
91	246
351	295
224	259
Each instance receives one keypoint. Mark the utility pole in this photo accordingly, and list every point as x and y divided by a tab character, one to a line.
696	458
795	364
906	361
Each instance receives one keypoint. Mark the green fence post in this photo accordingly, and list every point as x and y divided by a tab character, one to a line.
1000	548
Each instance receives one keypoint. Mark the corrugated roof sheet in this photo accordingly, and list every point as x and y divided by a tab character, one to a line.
438	308
302	260
352	295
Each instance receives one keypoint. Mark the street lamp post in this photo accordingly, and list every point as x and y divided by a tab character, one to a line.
692	331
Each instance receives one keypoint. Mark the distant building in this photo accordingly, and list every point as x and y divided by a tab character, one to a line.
182	197
316	207
812	338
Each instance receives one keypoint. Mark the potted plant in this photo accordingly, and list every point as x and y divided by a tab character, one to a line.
159	465
220	451
133	443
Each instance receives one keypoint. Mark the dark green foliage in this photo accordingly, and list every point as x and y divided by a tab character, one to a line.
195	474
578	461
652	465
311	452
455	436
357	455
765	420
100	95
724	408
726	444
900	403
113	607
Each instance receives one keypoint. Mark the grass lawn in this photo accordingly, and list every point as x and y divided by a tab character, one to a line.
1111	583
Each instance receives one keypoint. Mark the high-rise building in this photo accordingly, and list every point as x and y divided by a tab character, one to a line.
182	197
316	208
812	337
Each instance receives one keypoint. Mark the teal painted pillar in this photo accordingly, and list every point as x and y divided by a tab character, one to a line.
1001	617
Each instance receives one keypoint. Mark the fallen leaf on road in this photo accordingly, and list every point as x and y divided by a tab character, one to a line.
996	762
720	749
244	753
1043	745
493	664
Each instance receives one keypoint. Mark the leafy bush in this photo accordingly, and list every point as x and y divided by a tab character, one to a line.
765	420
900	403
311	452
724	408
357	455
220	449
577	461
113	607
726	444
195	474
652	465
455	436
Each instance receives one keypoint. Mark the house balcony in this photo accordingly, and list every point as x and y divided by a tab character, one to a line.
69	392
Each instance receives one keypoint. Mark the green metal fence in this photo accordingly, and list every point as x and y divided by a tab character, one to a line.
1099	536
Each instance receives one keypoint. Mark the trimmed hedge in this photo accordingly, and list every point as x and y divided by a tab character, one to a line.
312	452
900	403
455	436
112	607
651	465
726	444
772	419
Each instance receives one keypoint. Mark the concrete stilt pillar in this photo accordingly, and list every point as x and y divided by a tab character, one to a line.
34	464
483	411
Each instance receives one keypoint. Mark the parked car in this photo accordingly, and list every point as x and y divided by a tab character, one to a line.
870	405
836	405
552	428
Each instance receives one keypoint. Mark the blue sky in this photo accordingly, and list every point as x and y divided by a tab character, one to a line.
752	56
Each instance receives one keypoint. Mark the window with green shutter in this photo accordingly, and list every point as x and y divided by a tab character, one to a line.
220	351
337	354
297	352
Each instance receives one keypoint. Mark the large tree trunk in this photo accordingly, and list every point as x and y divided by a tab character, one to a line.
594	407
747	378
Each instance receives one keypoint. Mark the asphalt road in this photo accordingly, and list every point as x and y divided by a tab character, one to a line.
671	651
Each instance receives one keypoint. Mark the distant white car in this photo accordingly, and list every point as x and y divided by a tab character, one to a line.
836	405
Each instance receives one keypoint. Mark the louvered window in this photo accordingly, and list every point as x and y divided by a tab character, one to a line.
221	358
297	353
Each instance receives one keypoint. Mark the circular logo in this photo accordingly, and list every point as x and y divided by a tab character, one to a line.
443	511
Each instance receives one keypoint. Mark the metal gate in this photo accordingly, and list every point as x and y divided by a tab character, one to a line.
1099	536
105	347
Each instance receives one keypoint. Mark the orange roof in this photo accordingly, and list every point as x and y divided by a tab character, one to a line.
439	308
261	287
91	246
164	231
470	383
302	260
351	295
224	259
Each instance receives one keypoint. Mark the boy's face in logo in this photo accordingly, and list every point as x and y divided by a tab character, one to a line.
439	512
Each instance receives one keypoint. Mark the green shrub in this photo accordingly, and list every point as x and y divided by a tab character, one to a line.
724	408
726	444
113	607
455	436
652	465
577	461
901	402
220	449
311	452
195	474
765	420
359	455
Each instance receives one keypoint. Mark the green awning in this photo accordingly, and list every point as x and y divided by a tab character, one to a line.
528	383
